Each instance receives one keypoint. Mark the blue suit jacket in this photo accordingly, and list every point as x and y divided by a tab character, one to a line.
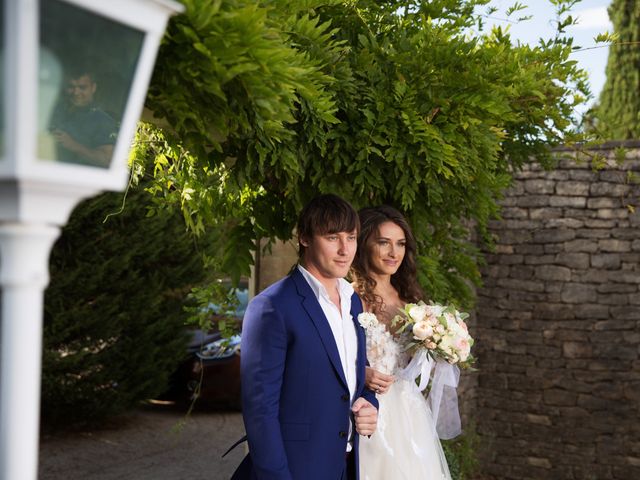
295	399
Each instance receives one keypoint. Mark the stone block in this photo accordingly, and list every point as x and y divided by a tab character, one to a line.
571	202
508	201
625	276
592	311
529	249
573	188
539	419
617	288
539	186
553	287
564	223
559	397
573	260
593	403
539	260
513	236
609	213
578	293
612	176
603	202
544	351
593	232
553	311
533	201
616	352
612	299
539	462
553	248
599	223
607	261
495	271
582	213
615	324
635	246
521	272
590	276
566	335
583	175
514	212
556	175
581	245
553	273
576	350
503	249
524	285
545	213
553	235
515	224
625	233
605	189
632	392
630	260
626	313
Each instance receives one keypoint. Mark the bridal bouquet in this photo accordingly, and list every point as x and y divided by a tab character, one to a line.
440	329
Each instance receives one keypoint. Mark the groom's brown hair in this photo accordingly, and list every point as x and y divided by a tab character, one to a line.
324	214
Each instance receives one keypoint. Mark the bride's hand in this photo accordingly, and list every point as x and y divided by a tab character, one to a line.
378	381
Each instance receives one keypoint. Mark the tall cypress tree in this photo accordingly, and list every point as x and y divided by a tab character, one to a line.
619	110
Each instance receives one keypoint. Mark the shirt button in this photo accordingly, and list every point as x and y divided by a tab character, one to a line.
345	397
343	434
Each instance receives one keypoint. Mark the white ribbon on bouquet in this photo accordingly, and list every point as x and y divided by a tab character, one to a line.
443	396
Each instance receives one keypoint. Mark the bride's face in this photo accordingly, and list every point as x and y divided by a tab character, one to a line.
387	249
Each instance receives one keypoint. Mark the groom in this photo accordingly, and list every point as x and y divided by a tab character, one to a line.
303	359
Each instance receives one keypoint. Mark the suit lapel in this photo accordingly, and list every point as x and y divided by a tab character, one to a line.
313	309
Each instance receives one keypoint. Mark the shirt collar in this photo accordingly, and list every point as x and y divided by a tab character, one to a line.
344	288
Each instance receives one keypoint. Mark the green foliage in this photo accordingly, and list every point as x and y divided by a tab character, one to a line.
462	454
617	117
114	320
262	105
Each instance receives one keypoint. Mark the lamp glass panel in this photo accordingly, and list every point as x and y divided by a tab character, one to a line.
86	68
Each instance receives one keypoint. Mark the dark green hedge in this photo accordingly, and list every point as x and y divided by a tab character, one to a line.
114	320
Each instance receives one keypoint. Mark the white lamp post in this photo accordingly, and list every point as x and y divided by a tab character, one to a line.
74	78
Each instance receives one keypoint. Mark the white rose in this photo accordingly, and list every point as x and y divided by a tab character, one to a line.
434	310
422	331
446	343
418	312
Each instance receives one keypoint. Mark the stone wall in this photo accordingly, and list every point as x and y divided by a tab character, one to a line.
558	326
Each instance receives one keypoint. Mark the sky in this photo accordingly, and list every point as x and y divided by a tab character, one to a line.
592	17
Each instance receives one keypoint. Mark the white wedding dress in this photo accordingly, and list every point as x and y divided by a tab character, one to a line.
405	445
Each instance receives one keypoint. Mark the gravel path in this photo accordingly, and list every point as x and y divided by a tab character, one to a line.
151	443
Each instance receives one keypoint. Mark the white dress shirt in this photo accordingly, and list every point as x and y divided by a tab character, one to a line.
342	327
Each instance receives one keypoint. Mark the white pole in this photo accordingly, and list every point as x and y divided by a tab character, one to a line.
24	274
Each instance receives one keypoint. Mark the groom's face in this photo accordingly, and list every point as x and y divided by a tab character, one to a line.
329	256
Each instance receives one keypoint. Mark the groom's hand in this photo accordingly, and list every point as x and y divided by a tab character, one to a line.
366	416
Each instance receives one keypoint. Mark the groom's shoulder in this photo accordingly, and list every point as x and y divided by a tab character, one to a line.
282	287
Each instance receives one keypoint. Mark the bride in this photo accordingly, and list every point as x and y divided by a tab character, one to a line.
405	445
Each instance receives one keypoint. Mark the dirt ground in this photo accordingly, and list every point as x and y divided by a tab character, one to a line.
151	443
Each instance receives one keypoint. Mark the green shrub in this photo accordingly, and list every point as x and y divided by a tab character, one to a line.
114	319
462	454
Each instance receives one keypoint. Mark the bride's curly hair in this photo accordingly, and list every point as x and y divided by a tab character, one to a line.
405	280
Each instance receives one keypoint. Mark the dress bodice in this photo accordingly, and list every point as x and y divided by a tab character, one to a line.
384	352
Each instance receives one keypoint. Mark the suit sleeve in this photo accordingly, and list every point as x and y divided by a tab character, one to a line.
263	354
